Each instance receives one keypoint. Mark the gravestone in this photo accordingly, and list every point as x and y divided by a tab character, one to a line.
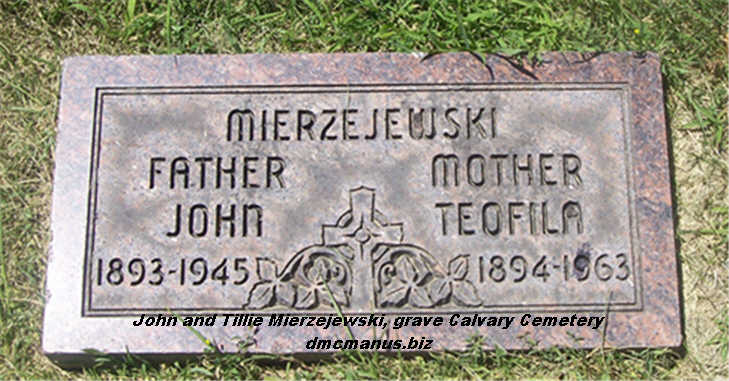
429	198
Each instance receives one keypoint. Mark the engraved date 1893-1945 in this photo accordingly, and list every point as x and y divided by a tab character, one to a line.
186	271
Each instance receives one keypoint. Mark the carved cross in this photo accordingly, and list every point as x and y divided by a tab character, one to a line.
363	231
362	227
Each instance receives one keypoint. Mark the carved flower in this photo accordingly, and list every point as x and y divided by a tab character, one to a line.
272	286
455	284
402	282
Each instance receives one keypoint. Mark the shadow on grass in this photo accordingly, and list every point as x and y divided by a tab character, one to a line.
665	82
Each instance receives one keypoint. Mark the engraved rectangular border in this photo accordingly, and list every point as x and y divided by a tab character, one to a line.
87	309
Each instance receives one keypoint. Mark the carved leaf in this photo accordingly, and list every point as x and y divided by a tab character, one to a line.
440	290
266	269
458	267
306	298
407	271
339	293
262	295
286	293
420	298
465	293
395	295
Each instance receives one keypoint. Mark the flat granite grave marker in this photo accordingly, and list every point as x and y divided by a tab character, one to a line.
429	198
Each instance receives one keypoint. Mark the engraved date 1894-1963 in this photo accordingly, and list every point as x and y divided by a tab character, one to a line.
516	268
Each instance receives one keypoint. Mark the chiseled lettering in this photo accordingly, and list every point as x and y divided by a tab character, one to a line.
571	165
454	123
328	126
236	118
279	121
248	170
154	170
449	161
225	219
217	172
181	167
517	169
203	161
514	217
305	126
347	122
443	206
390	122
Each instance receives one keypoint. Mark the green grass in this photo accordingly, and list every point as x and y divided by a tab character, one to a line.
690	36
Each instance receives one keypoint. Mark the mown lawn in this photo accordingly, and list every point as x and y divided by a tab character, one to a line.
690	36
